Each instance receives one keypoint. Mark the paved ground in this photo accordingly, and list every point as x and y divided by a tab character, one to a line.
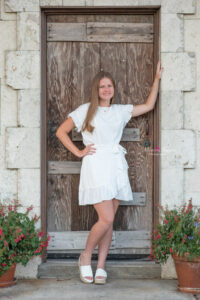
74	289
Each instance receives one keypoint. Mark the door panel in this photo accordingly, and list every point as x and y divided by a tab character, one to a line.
72	61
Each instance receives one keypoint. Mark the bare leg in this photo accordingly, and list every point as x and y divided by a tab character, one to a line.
104	243
105	213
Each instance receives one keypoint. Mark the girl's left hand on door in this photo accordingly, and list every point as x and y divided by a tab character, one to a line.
159	70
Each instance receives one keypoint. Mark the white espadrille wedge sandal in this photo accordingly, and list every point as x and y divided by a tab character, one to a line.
102	273
85	271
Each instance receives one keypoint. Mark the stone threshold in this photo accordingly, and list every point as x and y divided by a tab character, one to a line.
120	268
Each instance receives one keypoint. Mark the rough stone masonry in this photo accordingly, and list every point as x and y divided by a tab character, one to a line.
20	102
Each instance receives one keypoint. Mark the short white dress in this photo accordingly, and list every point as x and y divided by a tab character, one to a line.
104	174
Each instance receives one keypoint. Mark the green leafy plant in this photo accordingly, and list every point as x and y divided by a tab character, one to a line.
177	233
19	239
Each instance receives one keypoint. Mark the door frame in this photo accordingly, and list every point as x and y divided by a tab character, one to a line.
45	11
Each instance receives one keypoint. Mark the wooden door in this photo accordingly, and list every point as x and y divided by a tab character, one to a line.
79	46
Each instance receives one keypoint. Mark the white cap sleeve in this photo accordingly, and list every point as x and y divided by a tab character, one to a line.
78	116
126	112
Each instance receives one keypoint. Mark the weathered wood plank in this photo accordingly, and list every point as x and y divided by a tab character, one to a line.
139	199
66	32
77	240
120	32
129	135
59	202
64	167
100	32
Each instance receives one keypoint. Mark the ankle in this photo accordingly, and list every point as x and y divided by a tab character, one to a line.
86	254
100	266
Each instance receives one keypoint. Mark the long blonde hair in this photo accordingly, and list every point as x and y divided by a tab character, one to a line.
94	99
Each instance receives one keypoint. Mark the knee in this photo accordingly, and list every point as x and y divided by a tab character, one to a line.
108	220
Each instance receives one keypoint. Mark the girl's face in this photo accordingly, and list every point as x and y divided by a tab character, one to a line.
106	89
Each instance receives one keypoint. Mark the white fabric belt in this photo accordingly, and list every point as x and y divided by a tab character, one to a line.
115	148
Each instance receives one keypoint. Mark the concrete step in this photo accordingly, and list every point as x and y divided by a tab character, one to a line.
121	269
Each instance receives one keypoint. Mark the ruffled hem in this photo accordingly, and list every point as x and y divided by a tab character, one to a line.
96	195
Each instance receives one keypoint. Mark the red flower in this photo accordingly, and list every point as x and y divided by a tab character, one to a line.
29	208
3	264
150	257
10	207
1	231
41	233
5	243
158	236
171	250
165	221
170	236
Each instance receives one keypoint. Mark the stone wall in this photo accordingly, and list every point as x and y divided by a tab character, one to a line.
20	102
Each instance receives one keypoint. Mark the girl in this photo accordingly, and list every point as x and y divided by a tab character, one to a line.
104	177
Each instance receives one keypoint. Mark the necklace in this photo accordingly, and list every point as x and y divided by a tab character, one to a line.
104	108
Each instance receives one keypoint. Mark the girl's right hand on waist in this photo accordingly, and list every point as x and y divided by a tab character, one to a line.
88	150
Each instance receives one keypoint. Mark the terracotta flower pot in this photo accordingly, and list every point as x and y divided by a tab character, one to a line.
8	279
188	273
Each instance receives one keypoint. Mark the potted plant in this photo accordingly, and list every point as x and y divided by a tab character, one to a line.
19	240
178	235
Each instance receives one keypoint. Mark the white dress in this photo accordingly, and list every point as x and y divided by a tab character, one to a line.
104	174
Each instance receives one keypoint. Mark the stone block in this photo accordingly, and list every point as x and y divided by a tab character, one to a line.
28	31
8	108
74	3
168	270
191	30
6	29
89	2
21	5
197	12
195	198
192	180
51	2
31	269
179	71
192	111
192	43
2	151
29	187
29	108
8	180
23	69
172	33
4	15
178	149
116	2
172	181
125	2
171	109
179	6
198	147
23	148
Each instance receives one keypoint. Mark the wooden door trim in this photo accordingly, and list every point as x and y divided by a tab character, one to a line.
45	11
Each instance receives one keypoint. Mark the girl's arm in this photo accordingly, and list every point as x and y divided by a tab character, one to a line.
150	103
62	134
